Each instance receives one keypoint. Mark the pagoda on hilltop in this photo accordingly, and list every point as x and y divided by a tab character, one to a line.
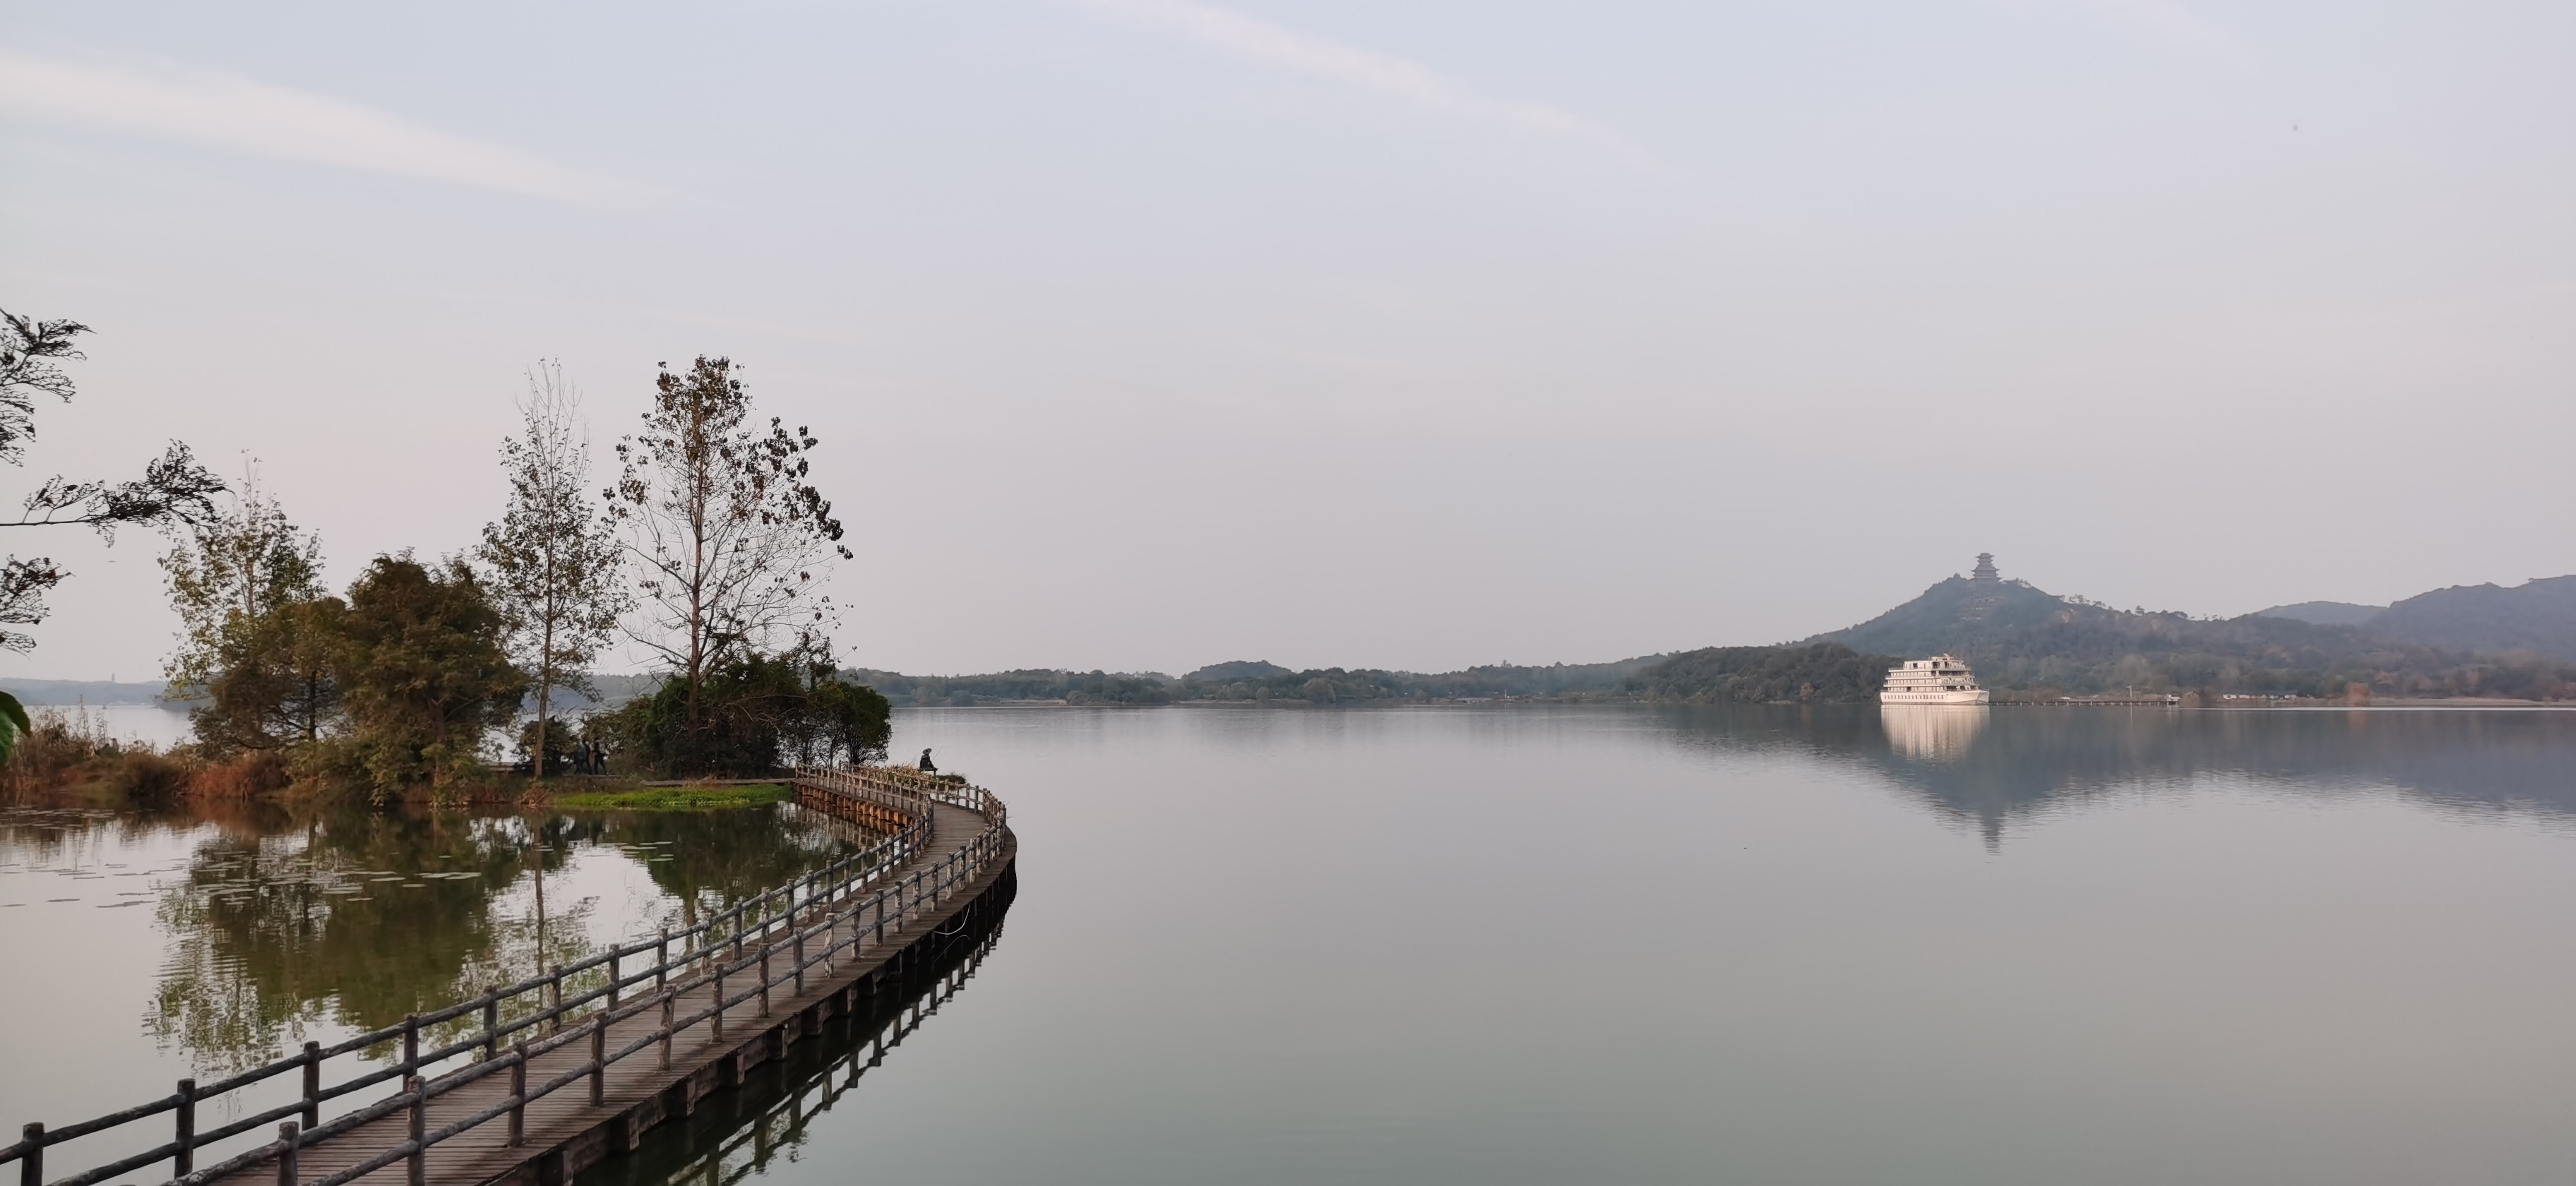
1984	573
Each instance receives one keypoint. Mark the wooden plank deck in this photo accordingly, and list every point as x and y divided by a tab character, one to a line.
745	1128
565	1132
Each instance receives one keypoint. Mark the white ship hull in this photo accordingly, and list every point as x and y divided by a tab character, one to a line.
1978	696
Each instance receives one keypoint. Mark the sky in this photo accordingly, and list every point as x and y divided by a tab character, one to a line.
1145	334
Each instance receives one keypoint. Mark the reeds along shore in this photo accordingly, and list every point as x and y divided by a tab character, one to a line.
71	754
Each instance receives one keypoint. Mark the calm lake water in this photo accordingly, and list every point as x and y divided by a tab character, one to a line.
1511	944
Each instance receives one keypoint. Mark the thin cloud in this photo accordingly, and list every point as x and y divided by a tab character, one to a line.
1368	69
225	111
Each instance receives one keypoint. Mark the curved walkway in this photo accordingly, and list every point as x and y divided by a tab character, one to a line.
585	1077
565	1131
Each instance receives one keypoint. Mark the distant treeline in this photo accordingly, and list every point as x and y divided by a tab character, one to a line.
1817	672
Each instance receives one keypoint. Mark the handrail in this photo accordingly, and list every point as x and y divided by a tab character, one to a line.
861	1057
842	904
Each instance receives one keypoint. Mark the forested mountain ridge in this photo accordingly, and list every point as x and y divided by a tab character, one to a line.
2325	613
1815	672
2019	637
2537	616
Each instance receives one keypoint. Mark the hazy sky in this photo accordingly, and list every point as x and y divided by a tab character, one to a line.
1414	333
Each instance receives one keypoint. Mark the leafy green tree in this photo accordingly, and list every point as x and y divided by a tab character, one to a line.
837	719
758	712
422	673
14	725
553	557
725	529
255	638
556	745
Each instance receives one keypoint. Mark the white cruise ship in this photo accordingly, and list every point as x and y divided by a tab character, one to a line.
1941	679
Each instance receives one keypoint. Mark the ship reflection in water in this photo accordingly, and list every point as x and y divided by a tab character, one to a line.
1932	732
1986	768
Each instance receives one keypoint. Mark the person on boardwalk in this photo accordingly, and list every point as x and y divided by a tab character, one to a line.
926	766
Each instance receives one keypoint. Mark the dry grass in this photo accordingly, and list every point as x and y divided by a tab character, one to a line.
74	752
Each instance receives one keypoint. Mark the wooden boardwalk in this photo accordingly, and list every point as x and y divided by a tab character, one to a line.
595	1112
737	1134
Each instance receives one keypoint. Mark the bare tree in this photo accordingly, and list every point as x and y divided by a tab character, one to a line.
554	558
174	488
721	522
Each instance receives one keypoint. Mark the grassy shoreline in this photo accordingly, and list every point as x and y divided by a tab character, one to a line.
682	798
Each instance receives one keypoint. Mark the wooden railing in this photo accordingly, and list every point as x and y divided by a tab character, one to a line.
861	1057
903	782
847	906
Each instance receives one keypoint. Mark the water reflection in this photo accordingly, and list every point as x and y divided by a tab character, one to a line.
1932	732
1989	767
737	1134
287	923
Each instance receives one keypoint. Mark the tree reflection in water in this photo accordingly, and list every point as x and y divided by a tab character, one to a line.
349	919
1986	767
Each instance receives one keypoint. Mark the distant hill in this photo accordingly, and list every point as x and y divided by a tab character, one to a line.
86	691
2537	616
2020	637
614	690
2325	613
1017	686
1260	682
1239	669
1956	615
1820	672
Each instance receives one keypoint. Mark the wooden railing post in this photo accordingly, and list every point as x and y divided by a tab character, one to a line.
715	1021
185	1159
518	1093
554	999
662	959
612	978
419	1169
795	940
764	980
288	1138
411	1042
491	1022
598	1058
670	1014
31	1167
312	1085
